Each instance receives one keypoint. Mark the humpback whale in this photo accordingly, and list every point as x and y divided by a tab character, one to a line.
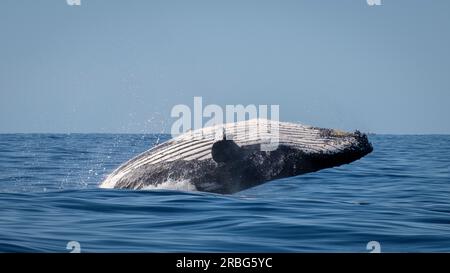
236	161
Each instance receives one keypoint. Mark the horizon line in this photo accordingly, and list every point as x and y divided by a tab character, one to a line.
152	133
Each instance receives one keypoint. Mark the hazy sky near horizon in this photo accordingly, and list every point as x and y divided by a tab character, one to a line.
120	66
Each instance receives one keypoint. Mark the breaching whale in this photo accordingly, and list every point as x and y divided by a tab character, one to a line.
236	161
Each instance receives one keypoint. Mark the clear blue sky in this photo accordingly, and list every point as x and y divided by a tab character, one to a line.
120	66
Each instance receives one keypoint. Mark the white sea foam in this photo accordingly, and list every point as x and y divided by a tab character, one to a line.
181	185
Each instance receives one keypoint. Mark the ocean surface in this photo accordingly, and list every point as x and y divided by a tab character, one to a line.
398	196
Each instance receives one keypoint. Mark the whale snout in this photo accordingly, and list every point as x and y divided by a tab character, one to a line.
362	143
348	147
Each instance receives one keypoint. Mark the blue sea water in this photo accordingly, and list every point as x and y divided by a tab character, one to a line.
49	195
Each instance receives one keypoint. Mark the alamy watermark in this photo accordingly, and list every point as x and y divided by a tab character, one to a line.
74	246
73	2
78	2
256	122
374	247
374	2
